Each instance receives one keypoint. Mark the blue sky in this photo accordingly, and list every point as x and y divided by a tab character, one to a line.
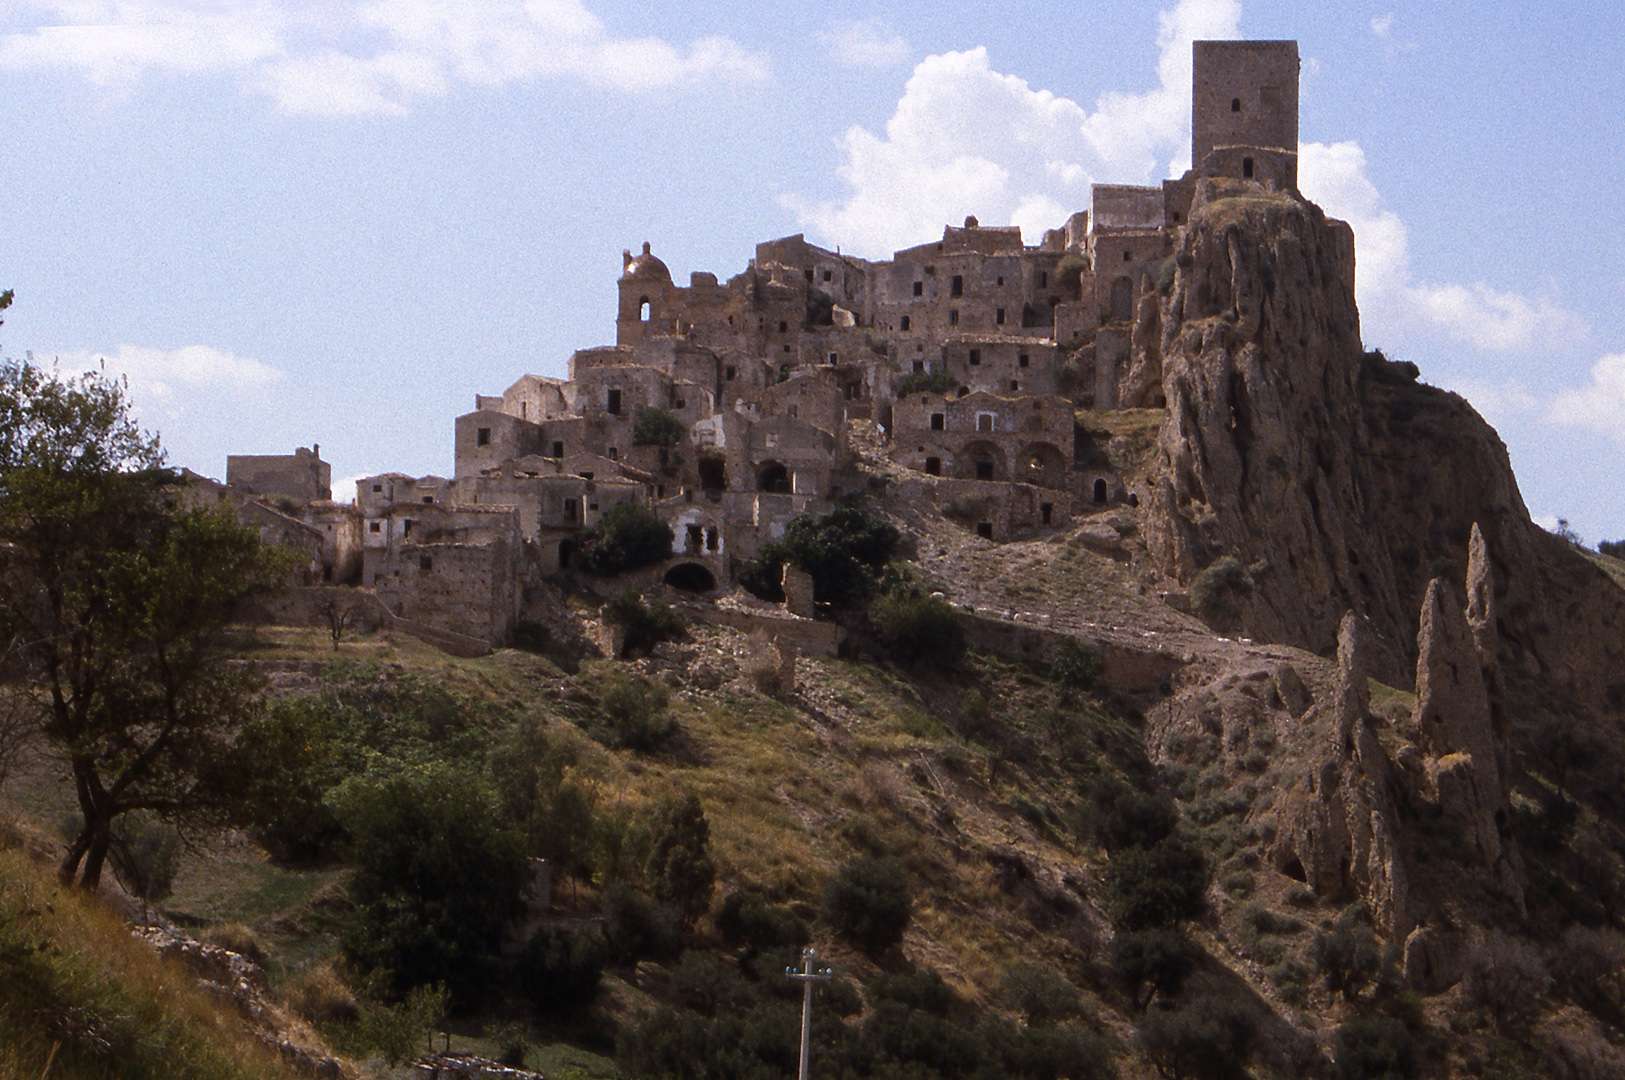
292	222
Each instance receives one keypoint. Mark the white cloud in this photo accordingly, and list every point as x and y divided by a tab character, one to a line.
163	381
1599	407
366	57
867	43
1383	25
1476	313
966	139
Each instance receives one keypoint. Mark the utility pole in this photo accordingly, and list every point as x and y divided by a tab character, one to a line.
807	976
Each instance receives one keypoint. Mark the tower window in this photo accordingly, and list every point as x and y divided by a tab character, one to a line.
482	437
1043	279
919	288
957	288
998	316
613	405
1235	104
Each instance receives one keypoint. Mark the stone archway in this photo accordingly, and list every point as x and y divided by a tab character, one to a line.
1043	465
773	478
691	577
981	460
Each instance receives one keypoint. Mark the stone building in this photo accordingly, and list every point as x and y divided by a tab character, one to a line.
301	476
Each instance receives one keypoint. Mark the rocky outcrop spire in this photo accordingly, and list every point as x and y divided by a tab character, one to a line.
1337	827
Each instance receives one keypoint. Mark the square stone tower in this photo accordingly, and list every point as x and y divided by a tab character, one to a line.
1243	93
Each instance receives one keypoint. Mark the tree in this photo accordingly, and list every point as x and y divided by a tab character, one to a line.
843	550
675	841
656	427
919	627
1157	886
436	877
121	598
629	536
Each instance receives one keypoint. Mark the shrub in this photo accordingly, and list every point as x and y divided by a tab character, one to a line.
627	537
1347	955
634	716
1155	962
1127	818
656	427
869	902
1041	997
674	839
1215	592
394	1032
636	927
560	969
936	381
1508	980
1076	666
704	982
436	877
1375	1048
916	626
1209	1039
321	998
843	550
746	918
646	625
1157	886
1612	548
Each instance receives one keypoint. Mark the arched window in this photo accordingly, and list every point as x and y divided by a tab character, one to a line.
643	310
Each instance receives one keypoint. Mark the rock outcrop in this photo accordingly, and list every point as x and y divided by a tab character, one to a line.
1337	823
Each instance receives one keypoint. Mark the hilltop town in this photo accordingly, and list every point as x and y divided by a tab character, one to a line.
728	408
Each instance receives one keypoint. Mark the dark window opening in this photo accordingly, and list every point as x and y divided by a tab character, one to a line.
808	273
919	367
566	549
695	540
571	512
406	527
713	474
1046	511
376	488
919	288
1001	281
558	449
933	466
1099	493
937	421
1023	360
783	326
998	316
1128	256
1235	104
774	479
984	468
904	324
786	349
953	317
984	529
425	562
711	541
482	437
975	357
376	526
827	275
614	454
964	391
613	407
957	286
1247	168
1014	386
729	374
1043	279
429	499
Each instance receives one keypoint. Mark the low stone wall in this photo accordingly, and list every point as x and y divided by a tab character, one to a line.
309	607
807	635
1126	670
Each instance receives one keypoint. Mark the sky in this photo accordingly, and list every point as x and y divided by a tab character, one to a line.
290	222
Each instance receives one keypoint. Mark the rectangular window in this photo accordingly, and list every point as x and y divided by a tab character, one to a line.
783	326
1128	256
558	449
834	358
984	421
957	286
429	499
570	512
482	437
975	357
827	275
1043	279
425	562
406	527
1022	360
376	488
613	407
375	526
919	288
953	317
904	324
998	316
919	367
730	373
1014	386
1001	280
936	421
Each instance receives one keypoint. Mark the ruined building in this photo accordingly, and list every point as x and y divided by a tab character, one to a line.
725	406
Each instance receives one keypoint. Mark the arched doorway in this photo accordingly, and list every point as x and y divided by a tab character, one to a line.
772	477
691	577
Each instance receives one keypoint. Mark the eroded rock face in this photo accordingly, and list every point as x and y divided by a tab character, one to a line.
1260	359
1337	823
1336	478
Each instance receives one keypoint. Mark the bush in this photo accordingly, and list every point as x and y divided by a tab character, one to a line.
436	877
1215	592
869	903
1158	886
1347	955
843	550
627	537
1209	1039
1126	818
560	969
916	626
656	427
1076	666
394	1032
637	927
1612	548
1508	980
936	381
674	839
1374	1048
1155	962
634	716
746	918
1041	997
646	625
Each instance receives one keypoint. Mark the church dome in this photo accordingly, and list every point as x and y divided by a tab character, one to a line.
645	267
